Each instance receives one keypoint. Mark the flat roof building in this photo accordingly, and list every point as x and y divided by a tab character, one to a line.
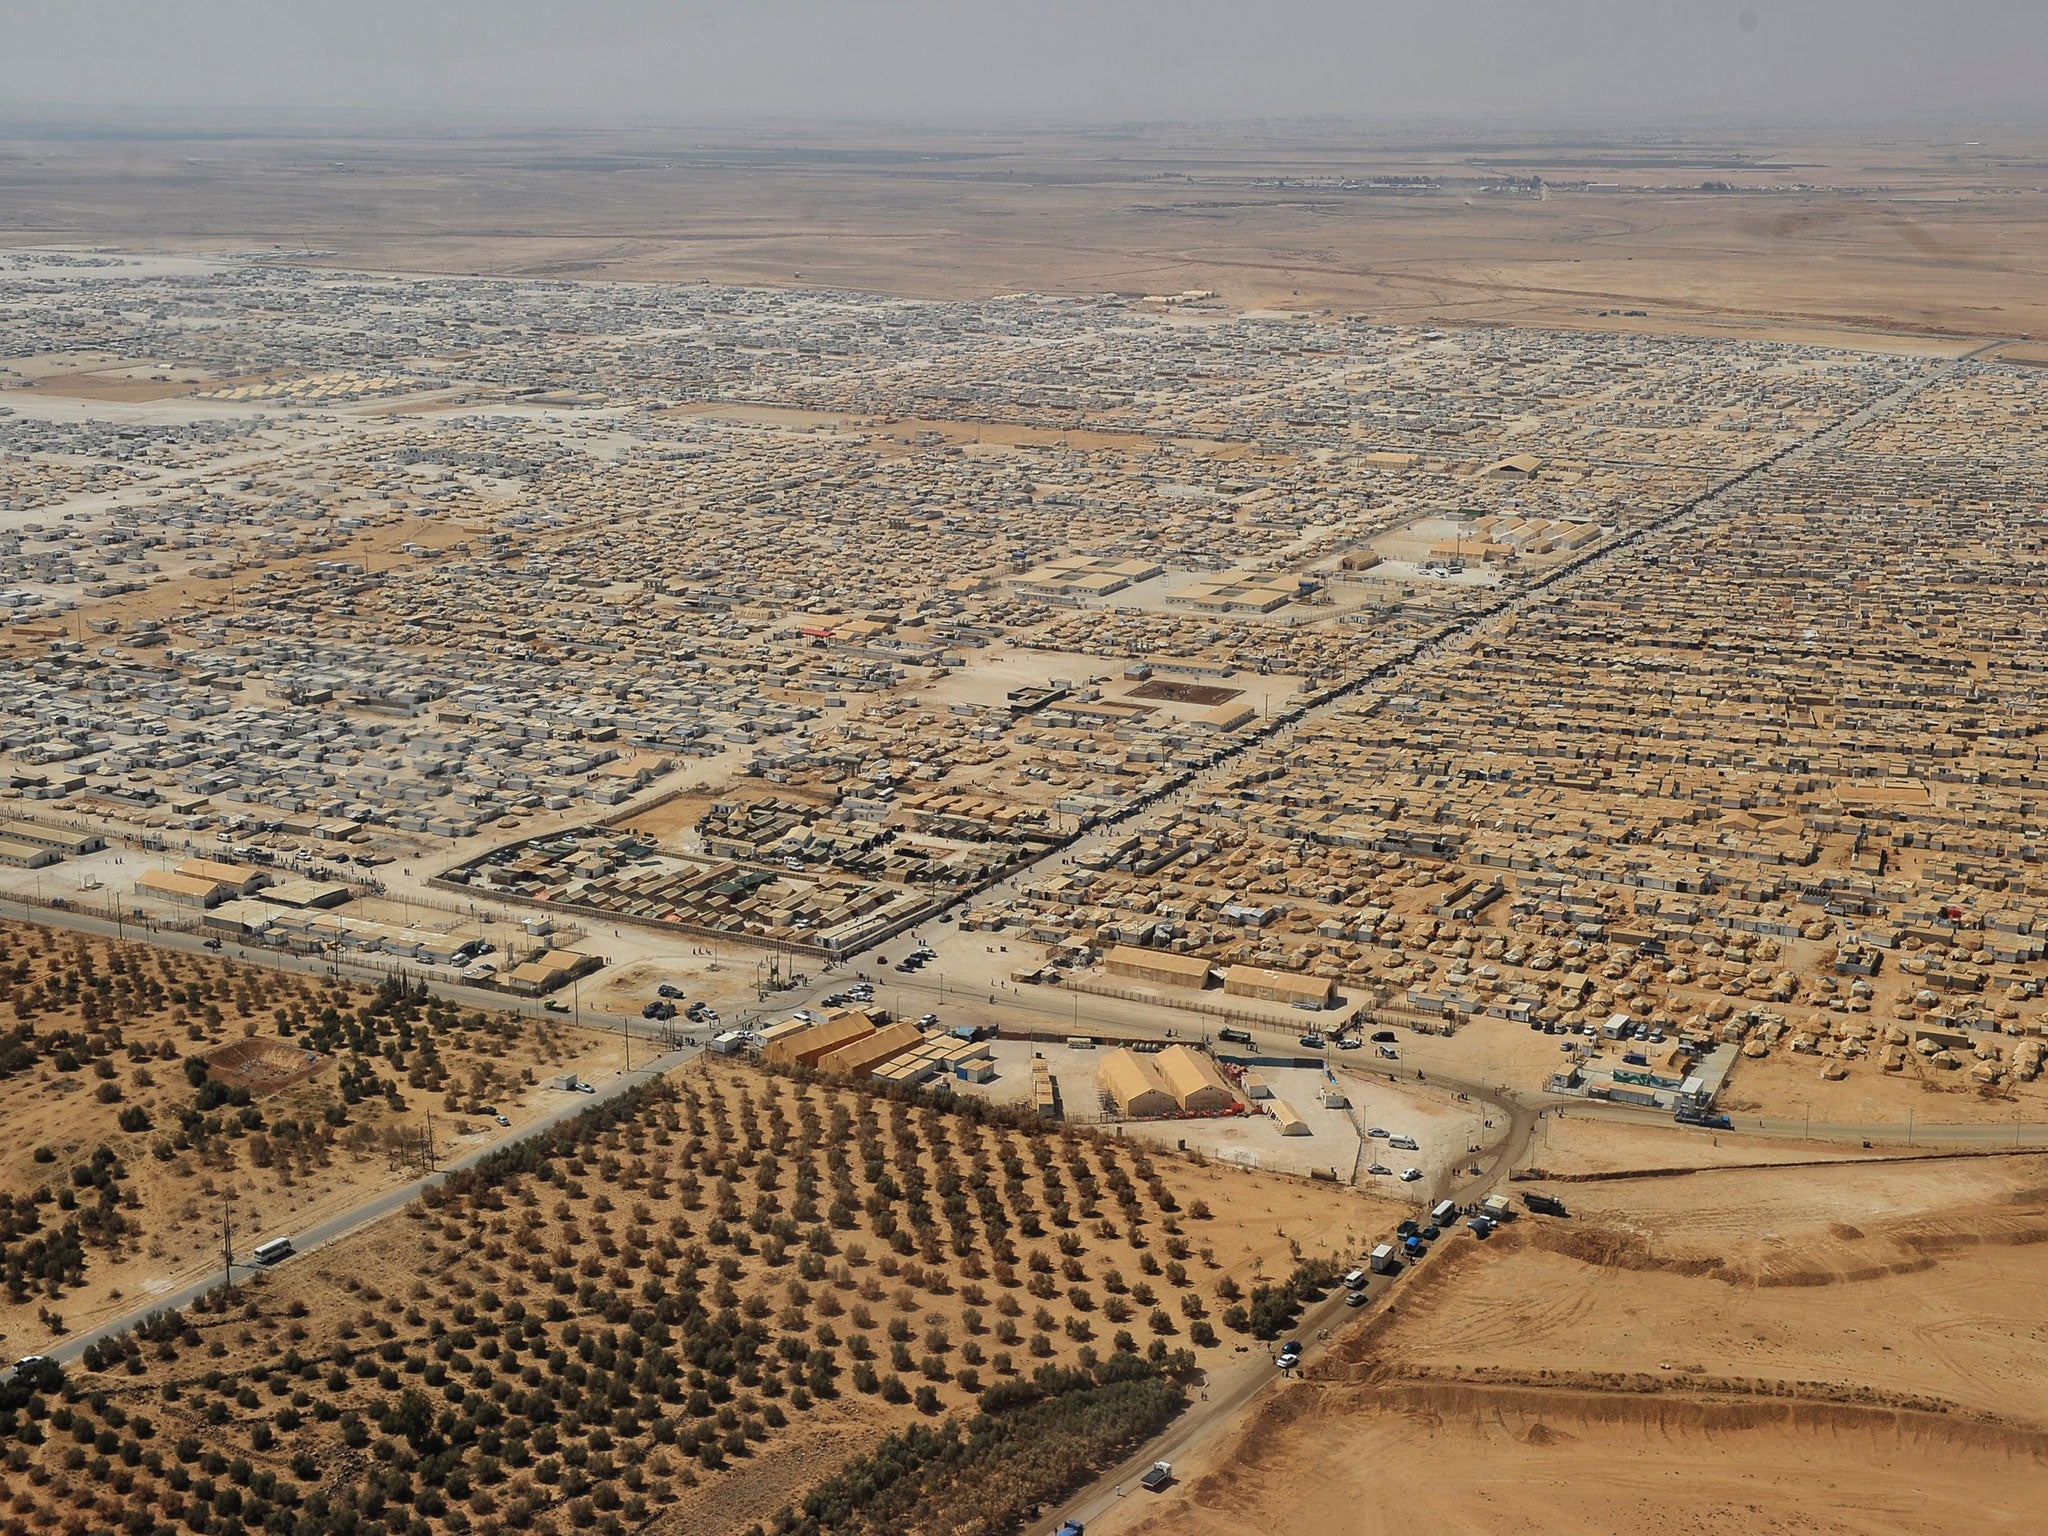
64	844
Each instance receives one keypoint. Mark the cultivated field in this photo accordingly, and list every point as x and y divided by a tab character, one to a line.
141	1089
687	1306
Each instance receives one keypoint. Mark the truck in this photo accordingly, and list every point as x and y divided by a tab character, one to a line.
566	1082
1158	1477
1706	1119
1382	1260
728	1044
1543	1205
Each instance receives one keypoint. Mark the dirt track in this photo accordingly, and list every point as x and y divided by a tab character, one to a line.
1759	1346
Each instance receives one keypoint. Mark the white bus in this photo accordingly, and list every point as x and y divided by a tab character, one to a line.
278	1248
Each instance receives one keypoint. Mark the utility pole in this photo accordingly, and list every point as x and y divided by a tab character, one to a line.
427	1145
227	1249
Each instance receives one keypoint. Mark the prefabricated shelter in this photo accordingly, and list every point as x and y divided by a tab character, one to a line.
1194	1081
809	1044
185	890
26	855
1280	986
1157	966
1288	1118
64	844
862	1056
239	879
1135	1084
1045	1090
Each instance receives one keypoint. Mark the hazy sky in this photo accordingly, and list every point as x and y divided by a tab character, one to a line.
615	61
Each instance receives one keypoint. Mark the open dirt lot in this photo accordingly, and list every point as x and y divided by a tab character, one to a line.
1834	241
1565	1143
1756	1347
1377	1461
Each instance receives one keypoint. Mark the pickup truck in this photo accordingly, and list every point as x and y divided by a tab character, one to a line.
1156	1479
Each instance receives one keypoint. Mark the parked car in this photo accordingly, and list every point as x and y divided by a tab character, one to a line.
1382	1170
668	989
1410	1175
1349	1043
1356	1298
1383	1037
1378	1130
502	1120
1312	1042
1388	1053
1290	1355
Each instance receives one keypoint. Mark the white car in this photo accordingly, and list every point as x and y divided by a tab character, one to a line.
1410	1175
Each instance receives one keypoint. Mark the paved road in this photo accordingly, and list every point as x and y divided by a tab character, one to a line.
320	966
374	1209
1216	1409
1221	1408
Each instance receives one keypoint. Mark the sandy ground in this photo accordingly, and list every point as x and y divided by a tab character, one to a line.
1568	1143
1756	1349
1787	1085
178	1198
1830	239
1381	1461
415	1269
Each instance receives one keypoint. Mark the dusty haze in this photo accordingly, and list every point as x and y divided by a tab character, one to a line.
639	60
